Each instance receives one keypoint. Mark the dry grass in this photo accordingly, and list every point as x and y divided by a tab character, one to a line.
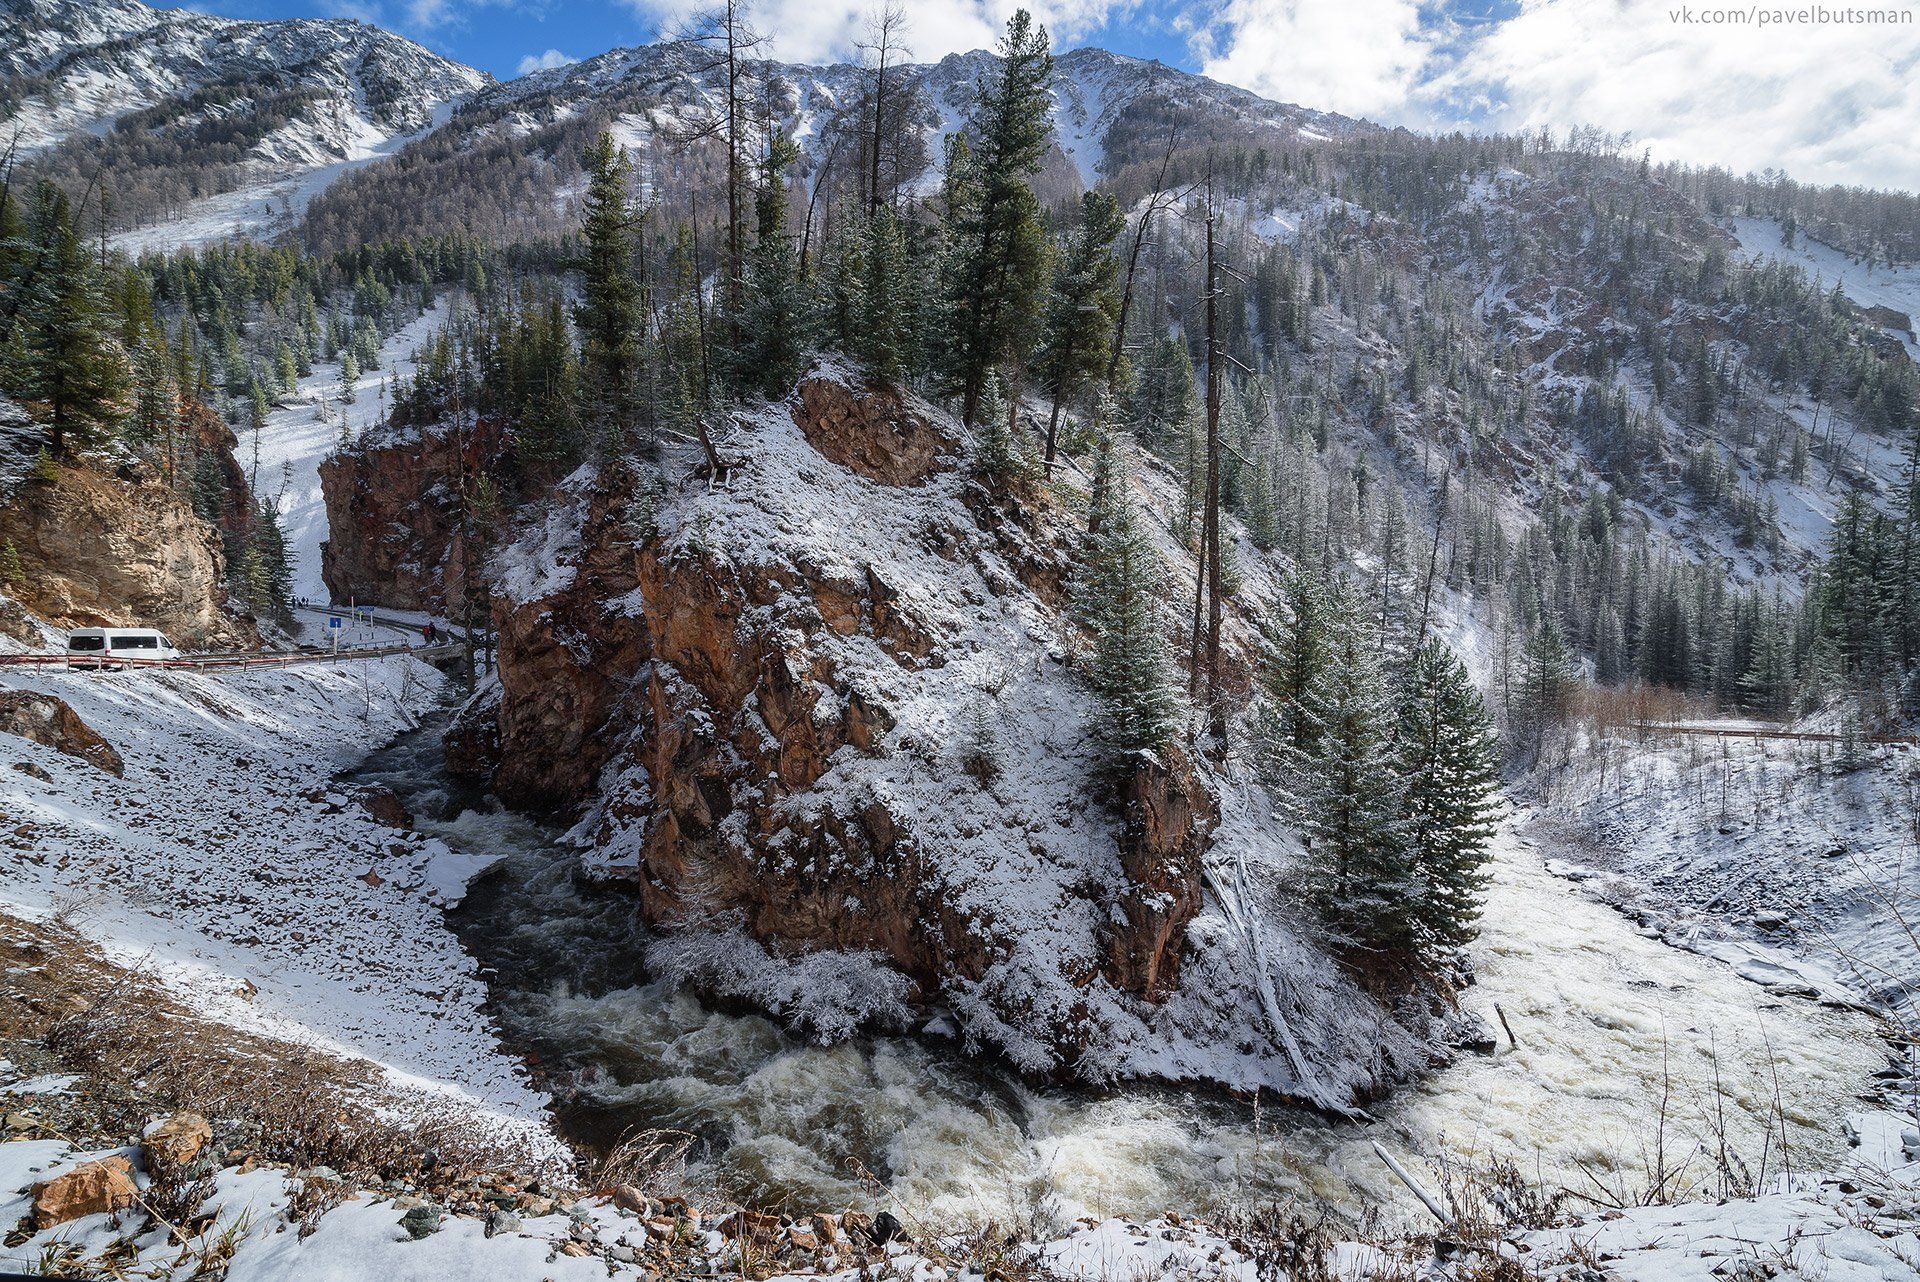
1608	709
64	1007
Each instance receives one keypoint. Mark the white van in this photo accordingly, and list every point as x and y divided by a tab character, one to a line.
115	647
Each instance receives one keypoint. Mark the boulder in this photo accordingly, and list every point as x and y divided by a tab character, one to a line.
420	1222
18	625
96	1187
384	806
871	430
176	1142
47	719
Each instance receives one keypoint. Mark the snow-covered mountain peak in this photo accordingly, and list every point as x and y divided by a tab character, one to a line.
74	66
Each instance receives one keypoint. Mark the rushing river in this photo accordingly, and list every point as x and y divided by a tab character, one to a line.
1609	1022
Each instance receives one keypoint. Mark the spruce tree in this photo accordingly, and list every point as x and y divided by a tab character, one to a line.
886	338
1294	653
996	453
1547	679
209	488
1105	491
776	315
1118	597
1449	766
64	362
1343	791
609	310
1081	309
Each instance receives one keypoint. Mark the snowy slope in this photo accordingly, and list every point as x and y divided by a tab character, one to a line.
226	858
341	93
1896	288
300	434
89	62
1764	853
661	85
265	210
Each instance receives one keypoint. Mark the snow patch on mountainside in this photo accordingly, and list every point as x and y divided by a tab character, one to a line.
303	432
90	62
358	93
265	211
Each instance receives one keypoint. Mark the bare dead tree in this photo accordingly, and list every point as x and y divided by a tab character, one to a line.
1203	659
882	44
1160	199
730	39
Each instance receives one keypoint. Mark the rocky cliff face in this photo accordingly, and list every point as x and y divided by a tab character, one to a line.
394	514
818	720
95	550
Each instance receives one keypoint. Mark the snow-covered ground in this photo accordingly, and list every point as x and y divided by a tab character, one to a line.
300	434
227	861
1762	853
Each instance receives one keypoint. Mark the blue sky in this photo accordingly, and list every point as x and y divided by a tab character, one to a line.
1828	101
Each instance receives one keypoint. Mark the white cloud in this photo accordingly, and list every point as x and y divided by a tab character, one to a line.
1828	102
429	13
830	30
545	61
1357	57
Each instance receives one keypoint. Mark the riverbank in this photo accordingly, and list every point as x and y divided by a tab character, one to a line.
232	873
224	860
1595	1025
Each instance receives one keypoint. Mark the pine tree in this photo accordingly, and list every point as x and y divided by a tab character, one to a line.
1118	597
995	266
1449	766
1546	682
349	375
996	454
1162	405
1262	516
887	336
1104	492
776	315
1294	653
209	489
63	360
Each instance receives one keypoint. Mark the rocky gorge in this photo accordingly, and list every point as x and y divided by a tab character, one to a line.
816	714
